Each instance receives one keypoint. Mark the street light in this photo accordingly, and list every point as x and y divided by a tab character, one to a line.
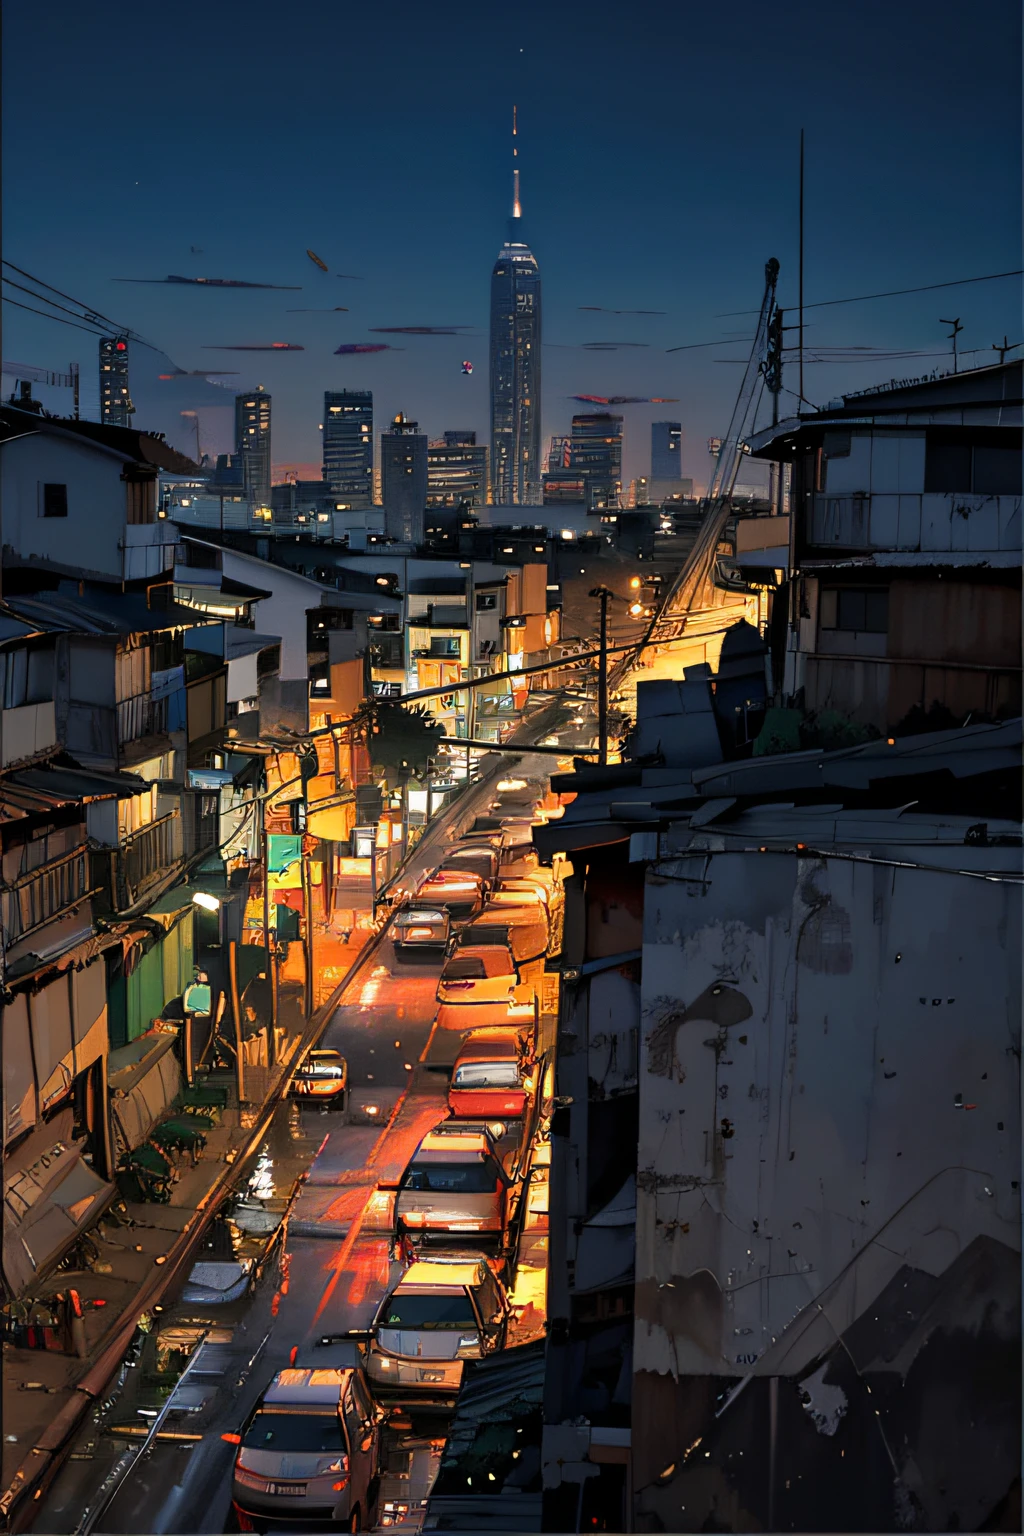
208	903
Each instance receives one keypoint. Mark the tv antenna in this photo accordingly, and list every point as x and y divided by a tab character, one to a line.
954	333
1002	347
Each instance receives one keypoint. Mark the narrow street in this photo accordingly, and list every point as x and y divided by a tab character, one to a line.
328	1273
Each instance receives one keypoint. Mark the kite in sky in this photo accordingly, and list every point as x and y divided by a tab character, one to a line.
271	346
626	399
418	330
351	347
210	282
315	258
467	367
598	309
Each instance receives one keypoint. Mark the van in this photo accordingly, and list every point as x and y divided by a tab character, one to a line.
421	927
454	1187
494	1074
477	984
445	1310
480	859
310	1451
459	893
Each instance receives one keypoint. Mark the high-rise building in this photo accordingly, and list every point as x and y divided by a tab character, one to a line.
252	443
595	454
116	409
348	445
457	471
403	473
666	450
515	364
558	454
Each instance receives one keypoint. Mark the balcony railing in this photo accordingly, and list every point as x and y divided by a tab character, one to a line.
45	893
141	716
143	856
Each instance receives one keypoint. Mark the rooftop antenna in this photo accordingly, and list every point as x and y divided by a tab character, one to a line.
954	333
1002	347
517	211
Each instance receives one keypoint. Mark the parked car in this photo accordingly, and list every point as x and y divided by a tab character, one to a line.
495	1074
523	929
477	984
459	893
310	1451
445	1310
480	858
531	890
421	927
454	1187
323	1077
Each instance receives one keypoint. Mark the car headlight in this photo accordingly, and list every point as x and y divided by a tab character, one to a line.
383	1362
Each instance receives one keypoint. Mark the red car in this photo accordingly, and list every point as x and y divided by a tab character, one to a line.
494	1075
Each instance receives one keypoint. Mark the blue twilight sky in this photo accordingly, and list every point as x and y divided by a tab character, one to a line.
658	150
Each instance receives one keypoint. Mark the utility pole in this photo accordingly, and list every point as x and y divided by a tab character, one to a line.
1002	347
74	386
800	276
954	333
602	594
270	953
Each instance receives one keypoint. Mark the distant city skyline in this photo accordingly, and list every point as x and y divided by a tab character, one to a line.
631	205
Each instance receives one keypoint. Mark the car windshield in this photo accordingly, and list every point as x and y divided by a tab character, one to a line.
409	919
311	1432
471	969
487	1074
429	1312
477	1178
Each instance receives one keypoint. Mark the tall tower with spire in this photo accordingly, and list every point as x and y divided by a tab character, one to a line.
515	361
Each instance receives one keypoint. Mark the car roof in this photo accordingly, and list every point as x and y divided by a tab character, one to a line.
491	1040
479	951
423	1274
308	1388
474	1144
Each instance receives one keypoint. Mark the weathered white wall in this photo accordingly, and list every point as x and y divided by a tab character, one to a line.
855	1028
88	538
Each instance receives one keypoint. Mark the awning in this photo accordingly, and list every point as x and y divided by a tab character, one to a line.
50	1195
142	1092
559	838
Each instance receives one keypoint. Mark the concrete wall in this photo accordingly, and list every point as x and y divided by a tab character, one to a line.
828	1191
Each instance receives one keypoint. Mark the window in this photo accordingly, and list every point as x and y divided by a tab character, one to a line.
984	468
425	1311
479	1178
836	445
865	610
445	646
294	1432
486	602
55	500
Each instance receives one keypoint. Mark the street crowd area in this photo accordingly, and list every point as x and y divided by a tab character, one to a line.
307	1229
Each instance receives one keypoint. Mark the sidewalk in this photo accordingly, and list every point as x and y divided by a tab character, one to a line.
145	1248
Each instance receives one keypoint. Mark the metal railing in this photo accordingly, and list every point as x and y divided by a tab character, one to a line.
145	854
141	716
34	898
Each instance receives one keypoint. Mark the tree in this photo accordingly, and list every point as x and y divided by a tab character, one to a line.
402	741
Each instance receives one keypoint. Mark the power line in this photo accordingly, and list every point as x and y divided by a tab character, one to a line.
891	293
88	329
52	302
90	314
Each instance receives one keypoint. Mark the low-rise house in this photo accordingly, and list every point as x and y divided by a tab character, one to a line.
905	551
785	1213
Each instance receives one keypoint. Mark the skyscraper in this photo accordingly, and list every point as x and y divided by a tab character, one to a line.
515	363
457	471
595	453
348	445
403	470
252	443
666	450
116	409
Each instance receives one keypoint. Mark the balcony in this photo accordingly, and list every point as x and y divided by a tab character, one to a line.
144	856
140	717
45	893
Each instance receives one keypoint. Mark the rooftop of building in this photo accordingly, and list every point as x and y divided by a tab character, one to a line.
132	444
